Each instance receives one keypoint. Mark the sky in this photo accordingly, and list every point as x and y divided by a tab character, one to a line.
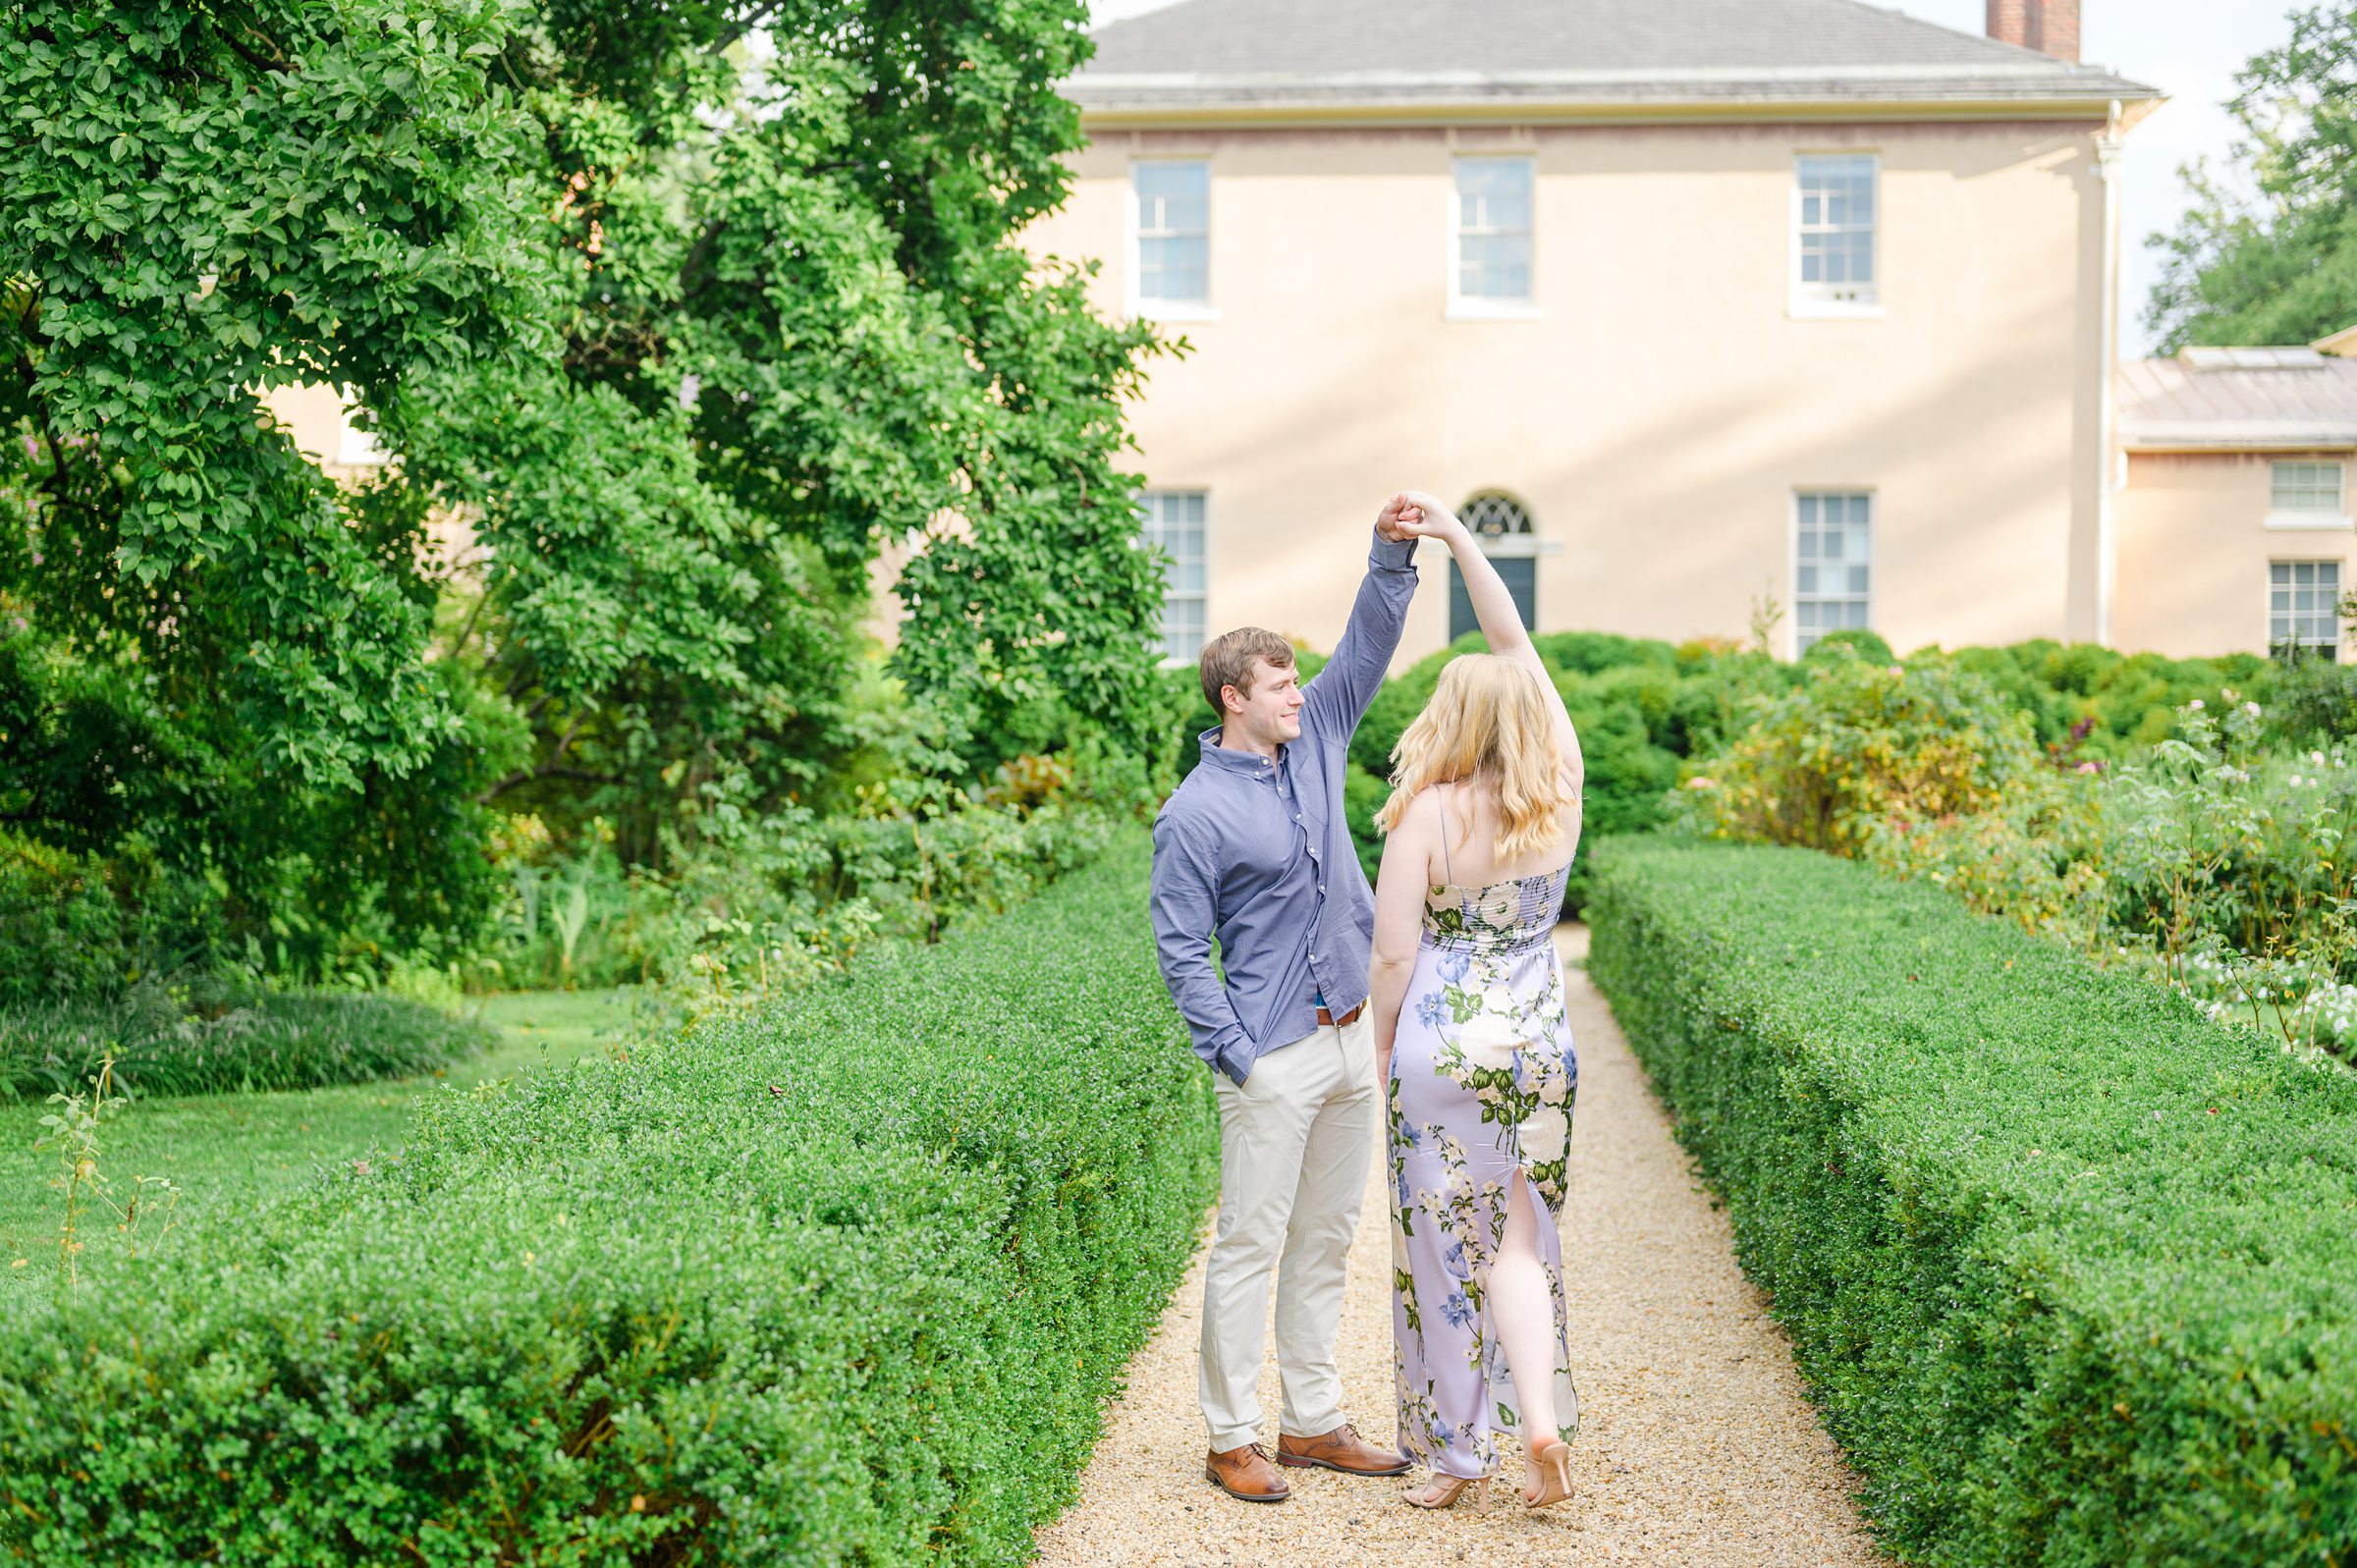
2190	49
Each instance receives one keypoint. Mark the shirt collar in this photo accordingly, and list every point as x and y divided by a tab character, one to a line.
1248	764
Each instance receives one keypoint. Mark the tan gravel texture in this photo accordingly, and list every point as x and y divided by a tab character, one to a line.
1697	1444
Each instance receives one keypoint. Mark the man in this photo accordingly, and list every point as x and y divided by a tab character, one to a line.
1254	849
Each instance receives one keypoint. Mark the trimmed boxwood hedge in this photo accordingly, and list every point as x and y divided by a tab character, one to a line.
2071	1271
842	1282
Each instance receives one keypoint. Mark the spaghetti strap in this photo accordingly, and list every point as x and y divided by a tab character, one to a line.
1446	872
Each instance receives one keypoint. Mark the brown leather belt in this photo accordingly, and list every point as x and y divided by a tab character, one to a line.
1327	1020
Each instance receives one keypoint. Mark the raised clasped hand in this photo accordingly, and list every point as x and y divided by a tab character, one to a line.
1415	515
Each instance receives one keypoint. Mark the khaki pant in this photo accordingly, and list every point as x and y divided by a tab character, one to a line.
1296	1141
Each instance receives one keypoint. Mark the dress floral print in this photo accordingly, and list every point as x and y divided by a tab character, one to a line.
1483	1079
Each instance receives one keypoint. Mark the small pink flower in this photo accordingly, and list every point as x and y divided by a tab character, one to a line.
2196	705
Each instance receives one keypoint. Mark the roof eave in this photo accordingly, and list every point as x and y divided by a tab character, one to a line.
2181	437
1107	113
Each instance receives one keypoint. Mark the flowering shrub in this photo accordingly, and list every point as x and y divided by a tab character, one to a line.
2216	860
2212	837
1858	743
2021	858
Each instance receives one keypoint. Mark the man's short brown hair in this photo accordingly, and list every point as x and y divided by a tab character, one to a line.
1227	661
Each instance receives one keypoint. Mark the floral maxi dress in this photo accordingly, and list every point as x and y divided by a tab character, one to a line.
1483	1076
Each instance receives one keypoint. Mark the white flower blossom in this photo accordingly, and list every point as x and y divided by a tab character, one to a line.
1490	1038
1542	1137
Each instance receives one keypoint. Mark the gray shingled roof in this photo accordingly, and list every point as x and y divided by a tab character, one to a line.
2238	399
1422	53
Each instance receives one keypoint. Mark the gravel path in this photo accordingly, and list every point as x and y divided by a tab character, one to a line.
1697	1444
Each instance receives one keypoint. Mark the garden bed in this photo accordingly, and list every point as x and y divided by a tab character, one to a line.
841	1280
2066	1265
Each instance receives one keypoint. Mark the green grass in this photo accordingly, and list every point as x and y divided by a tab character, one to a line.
247	1148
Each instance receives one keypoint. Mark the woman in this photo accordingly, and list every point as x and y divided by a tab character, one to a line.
1473	1044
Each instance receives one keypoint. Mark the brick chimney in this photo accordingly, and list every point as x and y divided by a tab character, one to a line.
2049	25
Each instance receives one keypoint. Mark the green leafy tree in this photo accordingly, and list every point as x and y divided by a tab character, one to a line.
2268	253
681	340
803	281
208	647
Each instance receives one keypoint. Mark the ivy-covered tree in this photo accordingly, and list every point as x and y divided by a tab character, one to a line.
683	311
2268	253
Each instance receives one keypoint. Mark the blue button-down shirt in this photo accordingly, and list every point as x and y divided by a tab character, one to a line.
1258	854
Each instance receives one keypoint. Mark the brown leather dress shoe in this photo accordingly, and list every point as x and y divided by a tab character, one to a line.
1340	1449
1247	1475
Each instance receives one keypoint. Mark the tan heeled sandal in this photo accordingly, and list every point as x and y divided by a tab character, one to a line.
1455	1488
1551	1463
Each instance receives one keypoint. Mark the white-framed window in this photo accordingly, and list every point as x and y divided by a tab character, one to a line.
1491	206
1170	208
1173	521
1832	575
2309	494
2303	605
1835	259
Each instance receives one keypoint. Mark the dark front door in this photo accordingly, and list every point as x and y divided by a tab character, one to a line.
1521	574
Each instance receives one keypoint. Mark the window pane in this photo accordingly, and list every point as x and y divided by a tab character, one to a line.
2308	487
1494	228
1834	215
1170	178
1495	266
2304	603
1832	575
1173	522
1174	223
1174	268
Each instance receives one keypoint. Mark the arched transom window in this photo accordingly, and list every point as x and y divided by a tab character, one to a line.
1495	515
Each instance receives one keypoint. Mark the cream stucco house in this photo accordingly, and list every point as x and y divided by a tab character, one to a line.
1691	303
1694	305
2234	526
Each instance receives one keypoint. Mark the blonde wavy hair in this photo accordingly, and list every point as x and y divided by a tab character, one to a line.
1488	719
